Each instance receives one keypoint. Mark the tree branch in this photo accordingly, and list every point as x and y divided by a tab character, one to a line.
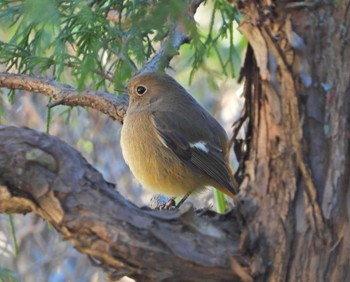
178	36
109	104
41	174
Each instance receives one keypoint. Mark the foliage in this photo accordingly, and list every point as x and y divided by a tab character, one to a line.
100	43
210	42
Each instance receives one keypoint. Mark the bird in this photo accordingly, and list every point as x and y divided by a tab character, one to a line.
172	145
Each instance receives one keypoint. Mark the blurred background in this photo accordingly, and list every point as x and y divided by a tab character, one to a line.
37	252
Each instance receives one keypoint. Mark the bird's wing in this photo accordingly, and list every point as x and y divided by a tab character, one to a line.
196	148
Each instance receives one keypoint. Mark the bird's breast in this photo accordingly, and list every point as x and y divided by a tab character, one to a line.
154	165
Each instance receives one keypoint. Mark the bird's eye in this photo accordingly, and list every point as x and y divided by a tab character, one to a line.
140	90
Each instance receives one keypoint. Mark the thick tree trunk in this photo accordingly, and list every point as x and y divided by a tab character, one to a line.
296	190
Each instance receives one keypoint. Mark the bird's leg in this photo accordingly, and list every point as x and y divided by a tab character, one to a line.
183	200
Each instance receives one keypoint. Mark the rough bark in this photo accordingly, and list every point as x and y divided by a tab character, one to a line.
41	174
296	190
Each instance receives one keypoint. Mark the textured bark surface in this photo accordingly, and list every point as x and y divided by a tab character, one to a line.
297	172
41	174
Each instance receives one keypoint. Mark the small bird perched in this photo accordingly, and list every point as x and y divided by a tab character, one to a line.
172	145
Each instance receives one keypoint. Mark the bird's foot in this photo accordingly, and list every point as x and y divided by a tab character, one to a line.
169	205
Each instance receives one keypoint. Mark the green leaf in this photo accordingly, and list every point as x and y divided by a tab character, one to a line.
220	201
